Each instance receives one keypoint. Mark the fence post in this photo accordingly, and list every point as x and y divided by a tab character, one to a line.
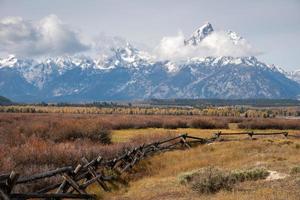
217	135
3	195
64	185
183	141
251	134
11	181
94	174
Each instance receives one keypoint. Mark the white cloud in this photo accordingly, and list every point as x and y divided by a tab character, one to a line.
49	36
216	44
105	43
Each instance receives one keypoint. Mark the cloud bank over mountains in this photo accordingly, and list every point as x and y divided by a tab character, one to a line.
216	44
48	36
51	37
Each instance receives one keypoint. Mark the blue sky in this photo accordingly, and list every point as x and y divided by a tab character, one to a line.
271	26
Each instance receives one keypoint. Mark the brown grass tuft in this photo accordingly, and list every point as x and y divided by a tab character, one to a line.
270	124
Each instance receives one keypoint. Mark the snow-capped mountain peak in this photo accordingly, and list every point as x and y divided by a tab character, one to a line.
131	57
10	61
205	30
64	63
13	61
199	34
128	53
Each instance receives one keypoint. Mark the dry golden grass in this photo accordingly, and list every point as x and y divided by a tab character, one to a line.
33	143
159	179
127	134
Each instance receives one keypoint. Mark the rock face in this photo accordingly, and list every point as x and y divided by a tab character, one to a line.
199	34
129	73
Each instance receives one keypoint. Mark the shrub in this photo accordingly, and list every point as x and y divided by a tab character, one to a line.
70	130
104	136
154	124
211	179
270	124
234	119
207	180
295	170
208	124
174	124
249	175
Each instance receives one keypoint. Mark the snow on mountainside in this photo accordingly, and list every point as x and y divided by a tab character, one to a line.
295	75
128	73
227	60
130	57
12	61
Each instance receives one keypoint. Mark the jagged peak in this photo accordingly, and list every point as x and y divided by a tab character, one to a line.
62	61
127	49
11	57
13	61
202	32
131	56
199	34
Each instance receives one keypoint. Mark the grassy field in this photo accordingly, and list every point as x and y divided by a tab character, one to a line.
157	177
37	142
128	134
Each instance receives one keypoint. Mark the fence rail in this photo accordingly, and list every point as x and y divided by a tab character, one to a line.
74	180
251	134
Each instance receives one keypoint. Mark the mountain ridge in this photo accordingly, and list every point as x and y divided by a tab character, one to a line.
129	73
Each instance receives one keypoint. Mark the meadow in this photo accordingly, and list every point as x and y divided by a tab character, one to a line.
40	141
159	176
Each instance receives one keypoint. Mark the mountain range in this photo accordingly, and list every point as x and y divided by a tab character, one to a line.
129	73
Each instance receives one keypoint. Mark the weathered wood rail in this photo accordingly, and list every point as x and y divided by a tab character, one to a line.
73	181
251	134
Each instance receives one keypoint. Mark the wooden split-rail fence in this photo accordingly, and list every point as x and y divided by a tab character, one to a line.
73	181
251	134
